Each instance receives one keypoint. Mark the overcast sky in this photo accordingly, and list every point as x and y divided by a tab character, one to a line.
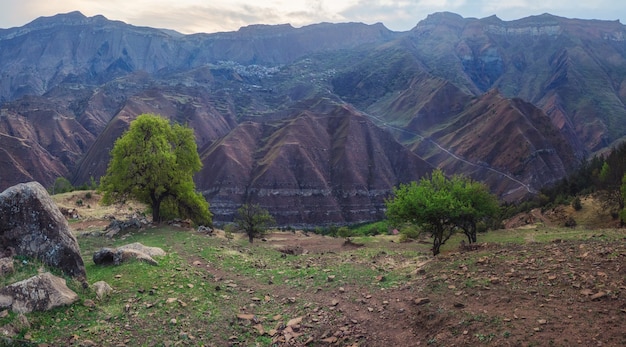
192	16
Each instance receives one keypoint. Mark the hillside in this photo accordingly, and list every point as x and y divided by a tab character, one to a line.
318	123
526	286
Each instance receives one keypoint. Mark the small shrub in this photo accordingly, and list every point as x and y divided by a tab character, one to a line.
344	232
88	196
230	228
408	234
79	202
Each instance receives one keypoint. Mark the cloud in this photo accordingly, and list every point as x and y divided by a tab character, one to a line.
216	18
190	16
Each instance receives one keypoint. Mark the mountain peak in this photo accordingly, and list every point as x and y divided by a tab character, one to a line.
72	18
265	28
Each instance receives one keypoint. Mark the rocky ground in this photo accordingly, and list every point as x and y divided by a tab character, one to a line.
547	287
561	293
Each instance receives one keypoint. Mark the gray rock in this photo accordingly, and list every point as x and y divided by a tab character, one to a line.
39	293
116	256
6	266
33	226
151	251
102	289
117	226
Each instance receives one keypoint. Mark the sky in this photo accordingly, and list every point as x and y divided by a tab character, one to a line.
193	16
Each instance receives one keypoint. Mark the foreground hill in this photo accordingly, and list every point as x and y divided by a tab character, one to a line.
318	123
529	286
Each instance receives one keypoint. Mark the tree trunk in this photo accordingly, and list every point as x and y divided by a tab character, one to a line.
156	208
250	238
436	245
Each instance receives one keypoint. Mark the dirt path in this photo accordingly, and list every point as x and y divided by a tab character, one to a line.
562	293
346	315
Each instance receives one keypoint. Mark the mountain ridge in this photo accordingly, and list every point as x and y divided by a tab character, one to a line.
319	123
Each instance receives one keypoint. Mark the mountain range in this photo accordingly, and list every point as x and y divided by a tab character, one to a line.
318	124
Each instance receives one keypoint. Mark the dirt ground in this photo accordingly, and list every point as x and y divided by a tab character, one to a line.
561	293
551	294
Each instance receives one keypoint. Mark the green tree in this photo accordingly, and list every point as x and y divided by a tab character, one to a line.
605	173
154	162
61	185
253	220
440	206
476	204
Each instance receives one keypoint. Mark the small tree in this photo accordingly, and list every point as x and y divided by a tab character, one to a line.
253	220
154	162
429	204
476	204
61	185
440	206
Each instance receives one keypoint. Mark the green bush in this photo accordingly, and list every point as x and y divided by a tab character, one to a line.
344	232
409	233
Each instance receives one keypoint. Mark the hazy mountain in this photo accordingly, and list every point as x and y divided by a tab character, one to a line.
318	123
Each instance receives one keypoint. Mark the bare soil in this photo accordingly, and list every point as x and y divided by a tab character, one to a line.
559	293
564	293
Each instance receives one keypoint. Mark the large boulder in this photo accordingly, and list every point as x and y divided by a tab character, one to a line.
137	251
32	225
39	293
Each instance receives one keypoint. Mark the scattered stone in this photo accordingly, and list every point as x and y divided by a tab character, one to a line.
245	316
598	296
586	292
33	226
334	302
542	321
330	278
205	229
102	289
89	303
39	293
259	329
6	266
421	301
294	321
293	250
459	305
117	226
